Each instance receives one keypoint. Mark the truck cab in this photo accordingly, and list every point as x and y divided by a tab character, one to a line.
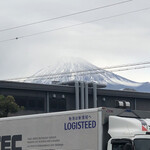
129	133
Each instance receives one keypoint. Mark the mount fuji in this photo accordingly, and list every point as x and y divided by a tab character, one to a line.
75	69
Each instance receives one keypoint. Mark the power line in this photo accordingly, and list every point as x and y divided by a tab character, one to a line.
87	73
90	71
133	68
74	25
64	16
97	69
102	71
128	65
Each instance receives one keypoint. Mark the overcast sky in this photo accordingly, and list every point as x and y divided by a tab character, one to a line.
115	41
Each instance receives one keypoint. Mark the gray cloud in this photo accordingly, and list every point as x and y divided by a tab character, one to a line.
115	41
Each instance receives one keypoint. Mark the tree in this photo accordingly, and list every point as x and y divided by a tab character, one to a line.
8	105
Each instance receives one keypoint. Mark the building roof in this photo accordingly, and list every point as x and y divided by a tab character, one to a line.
69	89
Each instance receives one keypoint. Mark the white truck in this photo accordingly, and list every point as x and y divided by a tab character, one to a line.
88	129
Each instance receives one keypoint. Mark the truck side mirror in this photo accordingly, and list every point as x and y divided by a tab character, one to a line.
127	146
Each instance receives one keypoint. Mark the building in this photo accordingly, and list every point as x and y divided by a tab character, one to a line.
40	98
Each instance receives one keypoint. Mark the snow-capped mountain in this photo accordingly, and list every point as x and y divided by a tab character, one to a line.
71	69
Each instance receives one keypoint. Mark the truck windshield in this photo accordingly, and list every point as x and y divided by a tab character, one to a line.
142	144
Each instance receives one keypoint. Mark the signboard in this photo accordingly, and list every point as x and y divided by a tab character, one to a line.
49	132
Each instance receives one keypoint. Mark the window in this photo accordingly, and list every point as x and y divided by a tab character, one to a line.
56	105
142	144
119	144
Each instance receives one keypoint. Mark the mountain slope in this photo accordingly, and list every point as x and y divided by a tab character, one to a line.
77	69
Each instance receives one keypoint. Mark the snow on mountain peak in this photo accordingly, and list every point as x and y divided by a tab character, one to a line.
70	69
